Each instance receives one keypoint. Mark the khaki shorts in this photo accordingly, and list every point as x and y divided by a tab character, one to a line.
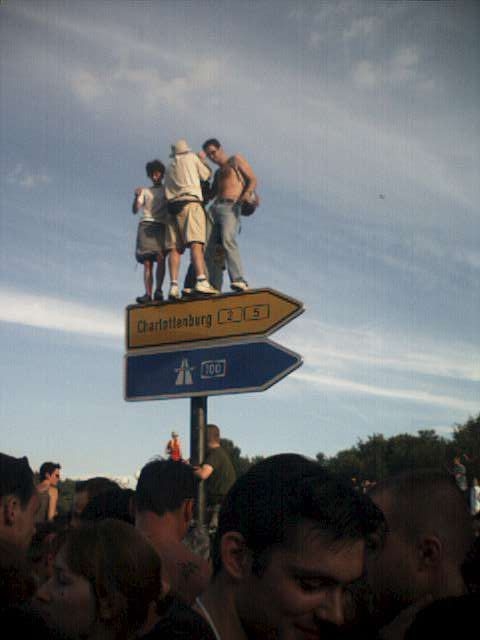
186	227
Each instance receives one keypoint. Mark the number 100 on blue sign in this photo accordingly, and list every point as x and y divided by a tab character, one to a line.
202	371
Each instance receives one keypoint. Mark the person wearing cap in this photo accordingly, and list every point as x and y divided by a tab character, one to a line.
186	226
173	448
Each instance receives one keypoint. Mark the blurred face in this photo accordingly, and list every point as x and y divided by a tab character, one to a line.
301	589
25	521
54	477
66	602
157	177
391	572
212	153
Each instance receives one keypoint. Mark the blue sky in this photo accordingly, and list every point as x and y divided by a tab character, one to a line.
361	121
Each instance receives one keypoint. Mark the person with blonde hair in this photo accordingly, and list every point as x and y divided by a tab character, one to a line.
106	584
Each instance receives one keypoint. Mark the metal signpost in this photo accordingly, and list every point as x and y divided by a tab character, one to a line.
195	348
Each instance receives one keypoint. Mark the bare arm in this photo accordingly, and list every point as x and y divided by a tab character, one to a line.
52	503
136	201
203	472
248	175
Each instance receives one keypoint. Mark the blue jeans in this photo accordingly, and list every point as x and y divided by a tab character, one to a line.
225	218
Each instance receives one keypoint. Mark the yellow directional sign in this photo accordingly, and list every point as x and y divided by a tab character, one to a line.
256	312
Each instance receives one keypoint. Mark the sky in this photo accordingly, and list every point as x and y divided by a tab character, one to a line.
361	121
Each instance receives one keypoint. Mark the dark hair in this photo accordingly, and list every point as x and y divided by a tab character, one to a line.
211	142
95	486
121	566
114	503
16	478
267	503
154	165
48	467
426	500
163	486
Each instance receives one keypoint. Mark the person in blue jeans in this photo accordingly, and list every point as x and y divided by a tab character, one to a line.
234	183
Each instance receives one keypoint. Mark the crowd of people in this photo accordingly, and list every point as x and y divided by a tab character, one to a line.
175	218
290	552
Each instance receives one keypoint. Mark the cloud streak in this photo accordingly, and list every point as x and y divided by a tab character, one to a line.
350	386
47	312
23	177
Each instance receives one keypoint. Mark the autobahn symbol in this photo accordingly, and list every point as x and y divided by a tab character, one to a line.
256	312
238	367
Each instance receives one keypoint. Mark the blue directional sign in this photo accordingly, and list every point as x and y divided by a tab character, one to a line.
206	371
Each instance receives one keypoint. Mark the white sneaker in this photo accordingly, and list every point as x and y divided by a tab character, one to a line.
204	286
174	293
239	285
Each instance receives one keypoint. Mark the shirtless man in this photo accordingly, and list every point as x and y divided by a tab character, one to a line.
234	183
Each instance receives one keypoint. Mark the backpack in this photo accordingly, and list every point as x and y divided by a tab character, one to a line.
249	207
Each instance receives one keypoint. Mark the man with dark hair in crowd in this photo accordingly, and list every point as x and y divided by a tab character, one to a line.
234	183
429	534
18	505
18	501
49	477
85	490
164	501
219	475
290	538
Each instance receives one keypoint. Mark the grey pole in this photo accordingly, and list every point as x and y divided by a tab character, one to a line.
198	421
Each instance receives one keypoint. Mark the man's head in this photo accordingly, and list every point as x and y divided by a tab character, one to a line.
214	151
85	490
290	538
213	435
18	500
428	536
155	170
50	471
167	487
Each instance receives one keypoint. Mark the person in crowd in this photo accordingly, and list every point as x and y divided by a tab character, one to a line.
234	183
150	247
186	226
290	539
460	473
49	477
106	584
428	537
164	500
48	538
85	490
173	448
474	497
116	504
19	501
218	473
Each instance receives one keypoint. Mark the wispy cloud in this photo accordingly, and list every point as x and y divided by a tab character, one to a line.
23	177
331	348
47	312
402	67
350	386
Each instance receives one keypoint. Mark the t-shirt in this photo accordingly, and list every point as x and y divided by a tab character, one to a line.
183	176
222	477
152	201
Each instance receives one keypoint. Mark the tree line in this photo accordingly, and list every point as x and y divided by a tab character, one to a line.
372	459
